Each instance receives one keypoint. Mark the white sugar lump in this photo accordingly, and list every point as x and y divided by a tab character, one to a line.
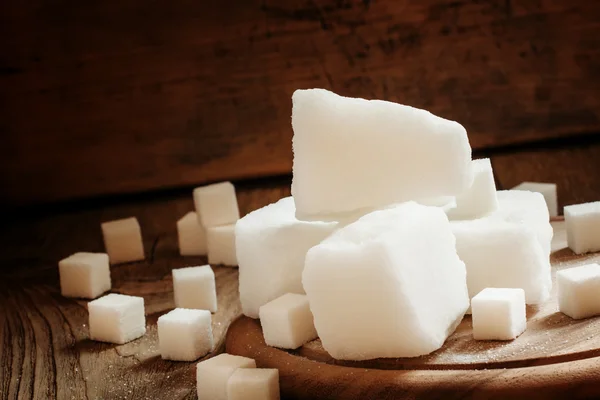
253	384
548	190
185	335
480	198
271	245
216	204
194	287
503	254
123	240
387	285
579	291
85	275
191	236
352	154
583	227
287	321
117	318
221	245
498	314
213	374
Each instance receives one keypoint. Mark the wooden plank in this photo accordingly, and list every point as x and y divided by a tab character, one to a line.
111	97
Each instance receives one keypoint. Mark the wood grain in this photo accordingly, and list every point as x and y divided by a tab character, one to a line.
109	97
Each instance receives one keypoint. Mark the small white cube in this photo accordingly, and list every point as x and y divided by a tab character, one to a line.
287	321
117	318
194	287
185	335
579	291
213	374
548	190
216	204
85	275
583	227
498	314
123	240
480	199
254	384
221	245
191	236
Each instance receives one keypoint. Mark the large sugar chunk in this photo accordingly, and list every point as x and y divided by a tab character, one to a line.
498	314
579	291
548	190
253	384
387	285
503	254
352	154
583	227
123	240
185	335
213	374
191	236
194	287
271	245
221	245
480	199
117	318
216	204
287	321
85	275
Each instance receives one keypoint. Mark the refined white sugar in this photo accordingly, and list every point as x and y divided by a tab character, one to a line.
216	204
213	374
117	318
271	245
583	227
352	154
480	198
185	335
253	384
194	287
287	321
503	254
387	285
579	291
123	240
498	314
85	275
548	190
191	236
221	245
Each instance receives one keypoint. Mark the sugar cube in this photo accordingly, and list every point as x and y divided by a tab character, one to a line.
216	204
221	245
583	227
376	288
185	335
85	275
498	314
117	318
191	236
271	245
352	154
213	374
480	198
194	287
548	190
123	240
253	384
287	321
579	291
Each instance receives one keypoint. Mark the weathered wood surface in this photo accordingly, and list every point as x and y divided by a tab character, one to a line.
555	358
111	97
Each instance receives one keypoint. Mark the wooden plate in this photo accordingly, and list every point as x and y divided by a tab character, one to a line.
556	357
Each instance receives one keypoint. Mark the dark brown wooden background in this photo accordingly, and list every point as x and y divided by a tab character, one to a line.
104	97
